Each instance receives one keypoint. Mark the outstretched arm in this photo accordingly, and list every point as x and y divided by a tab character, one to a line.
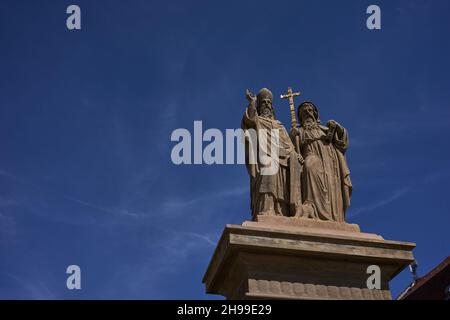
250	115
252	104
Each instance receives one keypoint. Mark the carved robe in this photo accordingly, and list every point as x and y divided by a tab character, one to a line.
325	180
279	193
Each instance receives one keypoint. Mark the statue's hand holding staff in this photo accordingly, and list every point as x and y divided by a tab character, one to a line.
300	158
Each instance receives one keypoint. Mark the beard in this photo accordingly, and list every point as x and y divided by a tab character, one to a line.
310	123
266	112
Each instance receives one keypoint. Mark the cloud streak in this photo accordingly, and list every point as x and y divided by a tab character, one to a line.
429	178
109	210
380	203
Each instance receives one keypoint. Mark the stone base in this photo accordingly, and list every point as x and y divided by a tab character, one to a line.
307	225
292	258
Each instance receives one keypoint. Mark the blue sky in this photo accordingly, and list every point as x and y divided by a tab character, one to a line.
86	117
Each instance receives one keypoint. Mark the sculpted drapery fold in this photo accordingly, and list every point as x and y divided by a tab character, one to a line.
312	180
278	193
325	180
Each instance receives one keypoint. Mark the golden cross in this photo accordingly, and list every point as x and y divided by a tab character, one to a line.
290	95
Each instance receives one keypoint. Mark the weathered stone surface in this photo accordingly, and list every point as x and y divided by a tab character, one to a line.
295	223
269	190
309	226
258	260
309	176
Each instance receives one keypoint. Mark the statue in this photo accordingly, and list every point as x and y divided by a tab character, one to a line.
325	179
278	193
299	245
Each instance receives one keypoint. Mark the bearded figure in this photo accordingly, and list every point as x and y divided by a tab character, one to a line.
325	179
276	192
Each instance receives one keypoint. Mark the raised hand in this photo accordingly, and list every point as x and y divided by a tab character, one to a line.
250	96
332	123
335	124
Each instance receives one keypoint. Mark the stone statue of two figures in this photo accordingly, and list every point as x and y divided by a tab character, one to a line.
312	179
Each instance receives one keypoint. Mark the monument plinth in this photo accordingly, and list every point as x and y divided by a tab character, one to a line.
299	245
297	258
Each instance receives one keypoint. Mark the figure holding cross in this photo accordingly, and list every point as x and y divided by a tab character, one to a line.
277	193
325	179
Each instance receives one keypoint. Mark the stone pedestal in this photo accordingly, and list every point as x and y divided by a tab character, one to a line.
291	258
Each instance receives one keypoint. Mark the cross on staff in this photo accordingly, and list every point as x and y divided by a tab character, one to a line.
290	95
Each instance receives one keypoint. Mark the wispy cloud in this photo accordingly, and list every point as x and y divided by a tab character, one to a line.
171	255
29	286
54	193
178	248
114	211
169	206
380	203
428	178
205	238
212	195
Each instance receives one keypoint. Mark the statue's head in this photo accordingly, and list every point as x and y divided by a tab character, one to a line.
264	105
307	111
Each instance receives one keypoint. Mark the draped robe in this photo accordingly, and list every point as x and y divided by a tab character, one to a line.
279	193
325	178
